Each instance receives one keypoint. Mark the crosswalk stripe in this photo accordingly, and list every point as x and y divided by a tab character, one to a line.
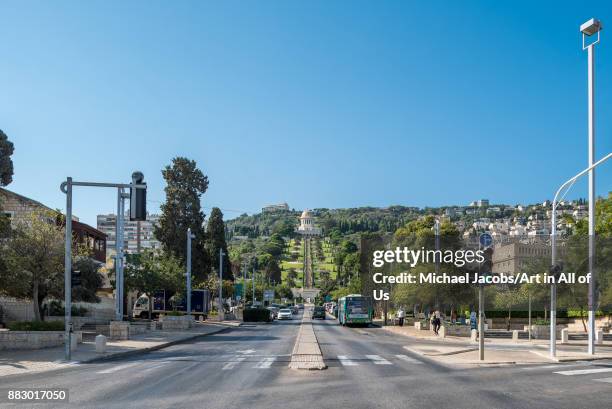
232	364
378	360
265	363
553	366
158	365
607	380
345	361
584	371
408	359
117	368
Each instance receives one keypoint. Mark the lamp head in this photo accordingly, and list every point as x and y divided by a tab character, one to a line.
591	27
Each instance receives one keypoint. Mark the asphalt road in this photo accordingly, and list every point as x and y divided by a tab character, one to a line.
246	367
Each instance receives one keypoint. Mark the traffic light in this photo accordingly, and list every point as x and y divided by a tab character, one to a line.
75	278
487	264
556	270
138	198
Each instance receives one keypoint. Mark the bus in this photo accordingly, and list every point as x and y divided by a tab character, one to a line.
355	309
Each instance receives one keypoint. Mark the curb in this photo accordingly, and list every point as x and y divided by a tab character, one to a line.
569	359
461	351
138	351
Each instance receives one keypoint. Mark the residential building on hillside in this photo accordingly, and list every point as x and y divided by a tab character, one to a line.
138	235
18	208
282	207
511	258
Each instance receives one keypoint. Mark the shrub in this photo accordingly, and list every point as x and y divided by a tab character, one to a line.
56	309
174	313
256	315
36	326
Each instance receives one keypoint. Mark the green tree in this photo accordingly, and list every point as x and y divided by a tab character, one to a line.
216	242
185	184
34	263
6	163
273	272
149	271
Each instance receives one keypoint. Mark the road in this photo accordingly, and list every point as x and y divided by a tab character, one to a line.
246	367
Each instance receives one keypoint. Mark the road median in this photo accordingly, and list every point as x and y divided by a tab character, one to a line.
306	351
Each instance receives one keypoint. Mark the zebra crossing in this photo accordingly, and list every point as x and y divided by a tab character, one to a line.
259	362
355	360
580	368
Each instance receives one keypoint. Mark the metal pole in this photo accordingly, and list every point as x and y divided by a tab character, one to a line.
253	286
188	274
121	266
221	313
529	332
118	257
68	271
591	96
553	285
481	322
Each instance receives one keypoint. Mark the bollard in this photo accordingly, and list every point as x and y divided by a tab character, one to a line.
474	335
74	339
201	318
599	337
564	336
515	336
442	332
100	344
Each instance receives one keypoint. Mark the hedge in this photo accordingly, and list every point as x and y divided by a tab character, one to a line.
256	315
36	326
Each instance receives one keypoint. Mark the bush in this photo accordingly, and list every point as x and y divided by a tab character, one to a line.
256	315
36	326
56	309
174	313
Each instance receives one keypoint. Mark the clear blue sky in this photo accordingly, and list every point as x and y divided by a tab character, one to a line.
317	103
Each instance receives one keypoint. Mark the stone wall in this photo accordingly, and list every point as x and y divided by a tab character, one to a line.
11	340
176	322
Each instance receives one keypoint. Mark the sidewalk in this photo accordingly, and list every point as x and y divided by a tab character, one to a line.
27	361
462	351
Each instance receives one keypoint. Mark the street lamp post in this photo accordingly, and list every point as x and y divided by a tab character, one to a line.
553	245
190	236
592	26
221	311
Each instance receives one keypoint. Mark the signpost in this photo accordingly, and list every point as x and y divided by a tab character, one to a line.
485	242
268	295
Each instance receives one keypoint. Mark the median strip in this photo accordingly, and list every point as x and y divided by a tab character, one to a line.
306	351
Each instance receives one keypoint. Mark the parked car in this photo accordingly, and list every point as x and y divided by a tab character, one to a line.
285	314
318	313
301	306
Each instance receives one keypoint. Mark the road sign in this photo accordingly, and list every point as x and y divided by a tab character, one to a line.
268	295
238	289
486	240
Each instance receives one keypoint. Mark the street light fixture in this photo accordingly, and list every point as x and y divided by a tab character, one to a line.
589	28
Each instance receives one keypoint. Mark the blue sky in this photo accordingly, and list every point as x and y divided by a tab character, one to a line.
318	103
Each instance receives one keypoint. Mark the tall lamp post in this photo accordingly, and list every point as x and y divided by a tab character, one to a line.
589	28
190	236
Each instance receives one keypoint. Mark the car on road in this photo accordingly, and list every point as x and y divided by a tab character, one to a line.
301	306
318	313
285	314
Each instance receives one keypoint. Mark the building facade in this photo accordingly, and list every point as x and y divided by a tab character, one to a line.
137	236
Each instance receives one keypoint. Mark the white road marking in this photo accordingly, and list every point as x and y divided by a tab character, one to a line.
158	365
117	368
584	371
607	380
378	360
232	364
408	359
265	363
345	361
554	366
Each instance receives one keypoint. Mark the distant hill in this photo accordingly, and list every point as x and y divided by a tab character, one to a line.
344	221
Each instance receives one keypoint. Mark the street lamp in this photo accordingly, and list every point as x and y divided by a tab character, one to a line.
588	29
190	236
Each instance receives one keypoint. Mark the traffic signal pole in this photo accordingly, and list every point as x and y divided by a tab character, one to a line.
66	187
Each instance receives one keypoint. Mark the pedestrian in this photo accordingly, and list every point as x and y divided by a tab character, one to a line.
400	316
432	322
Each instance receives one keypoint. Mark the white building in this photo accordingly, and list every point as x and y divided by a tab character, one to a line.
282	207
138	235
307	225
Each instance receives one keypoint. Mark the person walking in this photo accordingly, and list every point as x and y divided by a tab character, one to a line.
400	316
